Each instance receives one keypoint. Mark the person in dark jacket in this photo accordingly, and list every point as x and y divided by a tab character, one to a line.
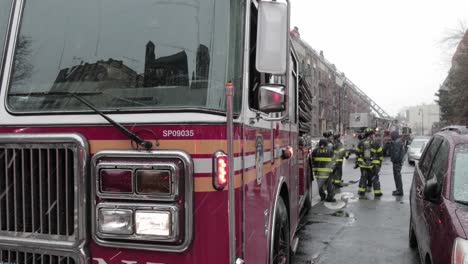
397	152
322	160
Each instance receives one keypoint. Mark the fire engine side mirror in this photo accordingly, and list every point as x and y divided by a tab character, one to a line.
272	37
271	98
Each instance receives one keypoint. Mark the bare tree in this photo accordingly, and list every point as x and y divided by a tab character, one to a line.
23	68
454	36
454	95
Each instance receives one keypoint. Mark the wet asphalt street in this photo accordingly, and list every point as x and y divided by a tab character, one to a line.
359	231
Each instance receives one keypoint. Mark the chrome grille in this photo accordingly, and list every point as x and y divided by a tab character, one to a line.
42	192
24	257
37	186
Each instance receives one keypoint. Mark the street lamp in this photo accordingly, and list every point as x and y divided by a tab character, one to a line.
421	113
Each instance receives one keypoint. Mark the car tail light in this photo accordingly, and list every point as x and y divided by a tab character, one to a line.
460	251
220	170
116	181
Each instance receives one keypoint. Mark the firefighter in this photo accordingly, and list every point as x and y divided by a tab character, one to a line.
322	163
369	159
339	153
369	183
369	180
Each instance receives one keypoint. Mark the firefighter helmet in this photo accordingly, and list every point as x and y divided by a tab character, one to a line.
336	135
323	143
328	133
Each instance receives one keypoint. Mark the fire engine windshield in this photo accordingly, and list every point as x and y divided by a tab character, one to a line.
126	54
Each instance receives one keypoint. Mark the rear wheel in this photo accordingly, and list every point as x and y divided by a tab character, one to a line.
280	250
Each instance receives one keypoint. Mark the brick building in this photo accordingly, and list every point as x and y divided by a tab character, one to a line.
334	95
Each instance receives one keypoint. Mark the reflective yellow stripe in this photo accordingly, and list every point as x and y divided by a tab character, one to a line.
361	189
376	150
322	177
336	181
365	167
378	191
358	149
323	169
338	160
322	159
360	159
339	150
376	162
381	158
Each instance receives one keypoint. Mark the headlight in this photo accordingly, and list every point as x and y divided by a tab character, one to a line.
112	221
138	222
153	223
460	251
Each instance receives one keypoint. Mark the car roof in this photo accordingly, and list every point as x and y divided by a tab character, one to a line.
458	129
455	134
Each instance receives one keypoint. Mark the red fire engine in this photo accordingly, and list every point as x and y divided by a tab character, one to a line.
149	132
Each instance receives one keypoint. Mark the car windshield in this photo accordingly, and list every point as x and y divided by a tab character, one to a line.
418	143
460	173
148	54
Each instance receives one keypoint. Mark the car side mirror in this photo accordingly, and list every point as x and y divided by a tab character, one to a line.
432	190
271	98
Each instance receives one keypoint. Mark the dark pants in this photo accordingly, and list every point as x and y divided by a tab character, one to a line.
397	176
369	176
325	183
338	174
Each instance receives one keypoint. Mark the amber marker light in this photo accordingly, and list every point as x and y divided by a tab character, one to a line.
220	170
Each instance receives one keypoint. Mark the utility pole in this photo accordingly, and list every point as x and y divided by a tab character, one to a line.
339	111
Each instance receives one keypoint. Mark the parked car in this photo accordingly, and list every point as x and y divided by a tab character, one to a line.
314	142
416	148
438	224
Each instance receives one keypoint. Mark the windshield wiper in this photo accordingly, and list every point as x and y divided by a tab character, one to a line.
461	202
77	96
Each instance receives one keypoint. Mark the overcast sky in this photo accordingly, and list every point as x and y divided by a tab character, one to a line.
390	49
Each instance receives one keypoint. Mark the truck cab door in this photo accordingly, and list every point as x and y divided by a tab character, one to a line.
293	140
